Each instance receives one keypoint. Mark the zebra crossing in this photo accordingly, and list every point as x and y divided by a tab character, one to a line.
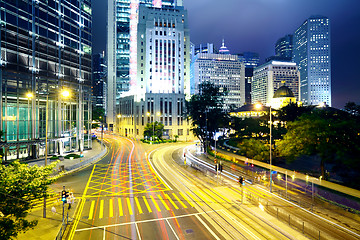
156	202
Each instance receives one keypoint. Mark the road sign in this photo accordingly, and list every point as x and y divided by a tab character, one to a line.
273	172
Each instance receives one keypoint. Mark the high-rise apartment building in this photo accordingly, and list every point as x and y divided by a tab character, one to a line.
284	47
224	71
160	77
99	81
312	54
121	32
271	76
45	50
251	60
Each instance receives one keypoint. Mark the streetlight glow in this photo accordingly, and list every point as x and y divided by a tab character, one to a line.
29	95
65	93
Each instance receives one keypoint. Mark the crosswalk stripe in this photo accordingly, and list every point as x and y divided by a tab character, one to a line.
120	207
101	212
194	198
172	202
187	199
178	199
111	208
155	203
147	204
91	212
129	206
138	205
163	202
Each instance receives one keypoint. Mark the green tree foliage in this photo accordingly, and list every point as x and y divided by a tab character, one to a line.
292	111
98	114
155	129
206	112
333	136
352	108
249	127
19	185
255	149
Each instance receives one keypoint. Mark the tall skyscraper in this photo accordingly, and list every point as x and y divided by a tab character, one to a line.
284	47
222	70
99	81
121	32
313	57
251	60
160	77
271	76
45	49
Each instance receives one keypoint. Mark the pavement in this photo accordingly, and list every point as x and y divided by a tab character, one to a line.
49	227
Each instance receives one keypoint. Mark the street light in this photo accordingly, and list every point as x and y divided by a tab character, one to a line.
119	116
29	96
65	93
259	106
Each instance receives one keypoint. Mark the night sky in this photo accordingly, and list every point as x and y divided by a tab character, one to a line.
255	25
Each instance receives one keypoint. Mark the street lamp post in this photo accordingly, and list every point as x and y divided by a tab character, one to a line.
119	117
270	150
65	94
259	106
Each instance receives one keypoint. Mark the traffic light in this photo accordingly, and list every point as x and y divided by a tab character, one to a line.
241	180
216	167
220	167
64	195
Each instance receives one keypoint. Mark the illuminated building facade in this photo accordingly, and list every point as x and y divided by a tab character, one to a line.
161	78
121	44
99	81
251	60
271	76
312	54
284	47
224	71
45	49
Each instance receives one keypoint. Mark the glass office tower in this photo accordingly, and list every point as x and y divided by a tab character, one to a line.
45	51
312	55
120	13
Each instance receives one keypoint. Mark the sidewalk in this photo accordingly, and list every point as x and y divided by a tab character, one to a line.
48	228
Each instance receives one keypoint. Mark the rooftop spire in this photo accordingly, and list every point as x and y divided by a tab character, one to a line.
223	48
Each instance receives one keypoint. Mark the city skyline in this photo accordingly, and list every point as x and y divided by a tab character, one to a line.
260	24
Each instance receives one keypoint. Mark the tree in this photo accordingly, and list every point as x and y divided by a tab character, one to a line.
205	110
292	111
155	129
98	114
333	136
352	108
19	185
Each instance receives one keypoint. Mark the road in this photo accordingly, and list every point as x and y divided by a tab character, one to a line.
137	193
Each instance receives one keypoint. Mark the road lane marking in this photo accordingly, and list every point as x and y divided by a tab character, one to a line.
172	229
178	199
138	205
144	221
171	201
194	198
101	212
120	207
163	202
155	203
147	204
91	212
137	230
111	208
187	199
129	206
207	227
